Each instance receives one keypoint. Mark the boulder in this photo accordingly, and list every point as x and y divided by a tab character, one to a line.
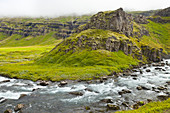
62	83
19	107
8	111
124	91
106	100
44	83
4	81
2	100
162	97
22	95
113	107
76	93
148	70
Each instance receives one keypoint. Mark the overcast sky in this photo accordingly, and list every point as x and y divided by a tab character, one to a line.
53	8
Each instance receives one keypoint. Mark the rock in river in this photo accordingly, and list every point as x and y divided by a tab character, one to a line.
8	111
76	93
19	107
113	107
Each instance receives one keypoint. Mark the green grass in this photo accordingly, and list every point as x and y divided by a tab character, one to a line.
153	107
17	40
85	65
159	35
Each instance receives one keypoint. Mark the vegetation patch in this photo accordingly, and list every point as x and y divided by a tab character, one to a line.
153	107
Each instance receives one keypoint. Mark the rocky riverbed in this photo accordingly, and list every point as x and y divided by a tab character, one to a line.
127	91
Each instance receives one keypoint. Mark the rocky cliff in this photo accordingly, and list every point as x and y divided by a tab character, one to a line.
118	21
39	26
163	12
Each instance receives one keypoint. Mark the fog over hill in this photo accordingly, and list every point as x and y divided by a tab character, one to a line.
53	8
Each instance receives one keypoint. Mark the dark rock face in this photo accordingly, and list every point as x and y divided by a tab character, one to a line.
117	21
140	19
164	12
152	53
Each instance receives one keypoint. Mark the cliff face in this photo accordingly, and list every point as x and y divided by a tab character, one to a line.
164	12
38	26
118	21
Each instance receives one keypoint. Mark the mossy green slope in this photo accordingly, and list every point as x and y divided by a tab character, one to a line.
17	40
153	107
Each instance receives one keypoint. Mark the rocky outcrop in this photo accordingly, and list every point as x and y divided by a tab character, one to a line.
118	21
152	54
164	12
140	19
159	20
63	30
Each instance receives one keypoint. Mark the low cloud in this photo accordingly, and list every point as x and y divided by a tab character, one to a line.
54	8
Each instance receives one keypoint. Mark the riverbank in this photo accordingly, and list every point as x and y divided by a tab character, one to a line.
126	91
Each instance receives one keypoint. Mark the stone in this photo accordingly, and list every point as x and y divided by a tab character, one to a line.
124	91
19	107
125	104
62	83
142	88
2	100
76	93
149	100
161	88
140	103
158	68
135	106
134	75
106	100
113	107
43	83
4	81
22	95
148	70
168	82
8	111
162	97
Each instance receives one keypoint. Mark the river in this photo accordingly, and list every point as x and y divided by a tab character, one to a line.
56	99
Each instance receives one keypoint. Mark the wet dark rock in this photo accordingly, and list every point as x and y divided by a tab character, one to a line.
19	107
134	78
76	93
161	88
141	72
162	97
144	67
43	83
158	68
140	103
8	111
4	81
142	88
134	75
103	78
2	100
148	70
124	91
62	83
135	106
113	107
106	100
126	104
90	90
163	70
149	100
22	95
168	82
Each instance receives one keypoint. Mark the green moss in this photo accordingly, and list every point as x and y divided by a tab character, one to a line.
153	107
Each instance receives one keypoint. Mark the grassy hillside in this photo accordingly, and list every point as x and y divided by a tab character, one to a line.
17	40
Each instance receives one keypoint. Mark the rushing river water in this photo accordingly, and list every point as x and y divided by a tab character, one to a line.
55	99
